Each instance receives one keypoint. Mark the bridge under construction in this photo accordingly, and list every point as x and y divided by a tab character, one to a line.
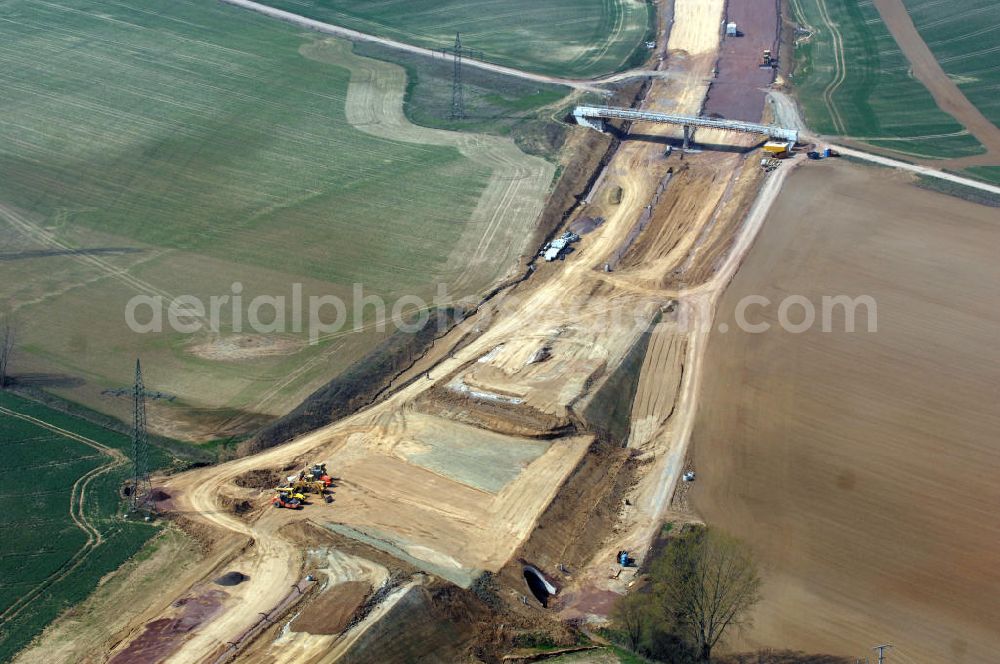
594	117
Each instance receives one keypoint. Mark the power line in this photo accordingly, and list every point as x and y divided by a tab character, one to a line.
140	498
457	87
881	651
457	94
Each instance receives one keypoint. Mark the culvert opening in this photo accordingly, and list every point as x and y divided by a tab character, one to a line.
539	585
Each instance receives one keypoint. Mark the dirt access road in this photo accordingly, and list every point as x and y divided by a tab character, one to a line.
592	85
787	114
738	90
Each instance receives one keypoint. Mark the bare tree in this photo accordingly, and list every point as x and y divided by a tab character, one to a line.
631	614
707	582
8	334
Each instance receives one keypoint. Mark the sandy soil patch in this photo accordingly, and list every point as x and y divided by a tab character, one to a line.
246	347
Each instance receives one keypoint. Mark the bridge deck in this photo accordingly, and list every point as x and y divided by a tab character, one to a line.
584	114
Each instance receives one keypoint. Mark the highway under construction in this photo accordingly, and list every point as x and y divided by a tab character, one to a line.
533	442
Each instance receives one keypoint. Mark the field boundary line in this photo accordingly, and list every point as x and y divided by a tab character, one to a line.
77	513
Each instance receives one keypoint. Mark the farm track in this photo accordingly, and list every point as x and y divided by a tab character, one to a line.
77	511
788	114
591	84
839	71
31	230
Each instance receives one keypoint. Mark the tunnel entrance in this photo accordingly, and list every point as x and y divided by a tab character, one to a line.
539	585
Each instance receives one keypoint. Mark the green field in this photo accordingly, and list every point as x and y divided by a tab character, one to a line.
988	173
965	38
570	38
47	563
174	147
853	81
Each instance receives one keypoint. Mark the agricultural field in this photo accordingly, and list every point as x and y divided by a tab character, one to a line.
569	38
861	465
965	39
181	147
60	513
988	173
854	81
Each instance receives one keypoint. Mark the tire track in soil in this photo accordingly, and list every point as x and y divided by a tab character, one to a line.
839	72
77	511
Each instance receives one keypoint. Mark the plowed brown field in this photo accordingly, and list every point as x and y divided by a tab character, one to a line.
863	466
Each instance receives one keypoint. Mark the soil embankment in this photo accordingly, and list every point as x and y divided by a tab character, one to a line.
862	466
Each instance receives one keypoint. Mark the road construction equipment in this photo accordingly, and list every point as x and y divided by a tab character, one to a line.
306	485
285	500
554	249
318	472
292	491
766	60
777	148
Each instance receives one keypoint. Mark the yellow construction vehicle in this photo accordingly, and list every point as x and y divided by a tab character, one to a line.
318	472
304	485
286	500
292	492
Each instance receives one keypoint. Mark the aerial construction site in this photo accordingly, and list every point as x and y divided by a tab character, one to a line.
496	491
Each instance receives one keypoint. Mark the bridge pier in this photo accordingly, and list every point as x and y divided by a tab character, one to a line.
687	137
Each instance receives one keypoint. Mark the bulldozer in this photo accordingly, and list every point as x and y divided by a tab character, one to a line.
306	485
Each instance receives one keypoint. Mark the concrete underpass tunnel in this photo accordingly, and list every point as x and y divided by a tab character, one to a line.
540	587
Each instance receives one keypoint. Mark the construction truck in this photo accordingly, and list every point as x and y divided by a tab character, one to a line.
766	60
